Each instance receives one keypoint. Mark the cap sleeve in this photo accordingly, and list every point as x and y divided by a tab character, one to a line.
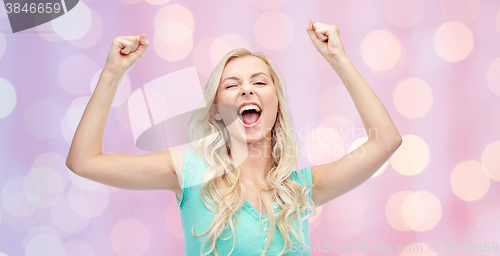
306	172
186	176
193	169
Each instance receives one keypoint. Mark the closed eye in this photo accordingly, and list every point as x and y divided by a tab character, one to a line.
260	83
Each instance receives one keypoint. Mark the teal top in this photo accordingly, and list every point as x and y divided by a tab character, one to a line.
250	240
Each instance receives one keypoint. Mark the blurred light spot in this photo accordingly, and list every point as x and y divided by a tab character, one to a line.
84	183
3	45
274	30
174	32
66	219
433	211
17	204
8	97
122	92
131	1
173	213
315	220
76	72
397	69
413	210
224	44
413	98
157	2
78	248
112	189
267	4
202	58
14	200
43	186
453	41
72	118
403	13
357	143
493	76
491	161
41	118
73	24
130	237
93	35
173	41
394	210
88	203
380	50
138	113
47	179
348	13
326	143
346	217
157	103
46	31
21	224
465	11
495	119
37	231
54	161
121	114
417	249
174	13
3	254
45	245
412	157
470	181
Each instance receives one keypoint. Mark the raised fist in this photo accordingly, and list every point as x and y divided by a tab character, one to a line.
326	39
125	52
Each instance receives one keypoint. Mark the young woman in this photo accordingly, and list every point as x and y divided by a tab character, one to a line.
237	191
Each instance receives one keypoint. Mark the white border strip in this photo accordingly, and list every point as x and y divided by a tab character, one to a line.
64	6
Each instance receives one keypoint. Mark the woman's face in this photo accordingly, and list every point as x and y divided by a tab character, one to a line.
244	80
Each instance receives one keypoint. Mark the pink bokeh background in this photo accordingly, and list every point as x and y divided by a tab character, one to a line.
435	65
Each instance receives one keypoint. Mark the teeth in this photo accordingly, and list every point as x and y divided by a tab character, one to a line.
247	107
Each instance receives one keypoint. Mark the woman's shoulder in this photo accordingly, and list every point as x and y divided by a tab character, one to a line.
302	176
193	168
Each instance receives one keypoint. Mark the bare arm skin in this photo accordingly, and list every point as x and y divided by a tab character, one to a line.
334	179
86	158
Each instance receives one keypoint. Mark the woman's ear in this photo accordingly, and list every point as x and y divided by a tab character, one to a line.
217	116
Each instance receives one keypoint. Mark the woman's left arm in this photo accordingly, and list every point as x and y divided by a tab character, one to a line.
334	179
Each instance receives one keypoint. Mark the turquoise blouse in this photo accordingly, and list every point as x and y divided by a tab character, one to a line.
250	240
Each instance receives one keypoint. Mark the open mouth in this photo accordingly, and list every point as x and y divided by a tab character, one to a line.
250	117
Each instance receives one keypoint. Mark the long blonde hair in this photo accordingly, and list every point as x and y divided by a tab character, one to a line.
222	191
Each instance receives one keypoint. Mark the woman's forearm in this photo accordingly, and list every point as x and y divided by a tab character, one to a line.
89	136
377	122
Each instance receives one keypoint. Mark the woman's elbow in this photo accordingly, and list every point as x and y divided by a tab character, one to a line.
397	141
71	164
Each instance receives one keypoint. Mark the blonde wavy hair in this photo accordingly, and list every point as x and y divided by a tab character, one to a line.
222	191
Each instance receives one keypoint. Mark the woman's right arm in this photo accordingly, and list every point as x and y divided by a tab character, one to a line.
143	172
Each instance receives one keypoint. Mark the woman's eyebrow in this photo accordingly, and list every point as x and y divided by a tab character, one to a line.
238	79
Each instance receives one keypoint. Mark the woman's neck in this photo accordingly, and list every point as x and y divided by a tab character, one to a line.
253	159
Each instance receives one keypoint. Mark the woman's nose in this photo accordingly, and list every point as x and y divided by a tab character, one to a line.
246	89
